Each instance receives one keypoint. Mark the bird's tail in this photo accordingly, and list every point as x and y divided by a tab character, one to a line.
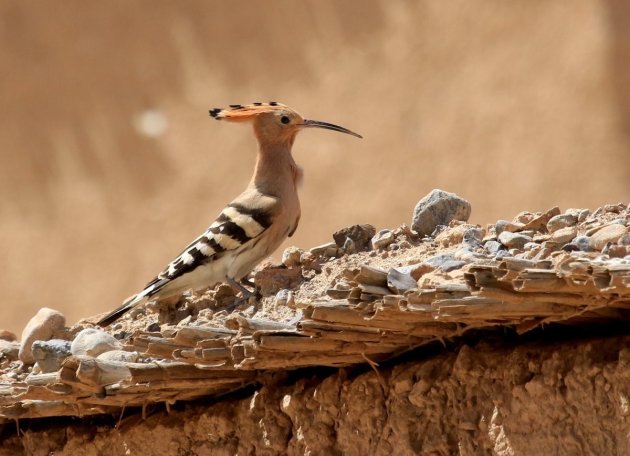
123	309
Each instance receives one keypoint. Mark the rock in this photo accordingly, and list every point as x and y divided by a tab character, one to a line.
618	251
493	247
438	208
541	221
291	257
9	349
349	247
41	327
371	276
624	240
120	356
583	243
152	328
273	279
283	296
502	254
400	280
382	239
329	250
7	335
561	221
49	354
456	235
445	262
418	270
564	235
524	217
92	342
513	240
504	225
608	233
473	235
360	235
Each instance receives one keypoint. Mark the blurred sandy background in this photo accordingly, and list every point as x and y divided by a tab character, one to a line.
110	163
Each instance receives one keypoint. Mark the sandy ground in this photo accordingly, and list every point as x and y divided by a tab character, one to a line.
110	163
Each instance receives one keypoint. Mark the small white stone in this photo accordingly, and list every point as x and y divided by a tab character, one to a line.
120	355
92	342
41	327
382	239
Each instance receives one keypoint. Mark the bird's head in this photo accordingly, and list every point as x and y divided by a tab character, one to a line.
274	123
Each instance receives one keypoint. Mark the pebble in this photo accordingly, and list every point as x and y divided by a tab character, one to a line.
418	270
349	247
564	235
329	250
50	354
360	235
152	328
41	327
382	239
502	254
9	349
400	280
445	262
291	257
120	356
503	225
493	247
92	342
283	296
608	233
514	240
438	208
561	221
624	240
583	243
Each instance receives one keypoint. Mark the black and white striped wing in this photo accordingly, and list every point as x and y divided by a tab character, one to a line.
236	226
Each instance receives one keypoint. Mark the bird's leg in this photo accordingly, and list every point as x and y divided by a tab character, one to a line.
245	293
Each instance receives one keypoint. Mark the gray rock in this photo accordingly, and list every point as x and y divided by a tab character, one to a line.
583	243
449	266
624	240
92	342
399	280
473	236
502	254
438	208
41	327
561	221
382	239
349	247
493	247
9	349
513	240
49	354
445	262
360	235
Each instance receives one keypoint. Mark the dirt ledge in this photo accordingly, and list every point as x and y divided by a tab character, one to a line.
492	398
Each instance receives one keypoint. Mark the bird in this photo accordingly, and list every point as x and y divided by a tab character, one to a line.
252	225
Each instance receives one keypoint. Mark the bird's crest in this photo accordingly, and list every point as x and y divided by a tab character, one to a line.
239	112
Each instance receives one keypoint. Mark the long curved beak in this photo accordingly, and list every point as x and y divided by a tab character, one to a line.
327	126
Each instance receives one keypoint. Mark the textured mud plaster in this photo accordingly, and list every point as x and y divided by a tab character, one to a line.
545	399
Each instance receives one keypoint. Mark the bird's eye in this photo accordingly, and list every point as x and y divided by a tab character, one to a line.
285	119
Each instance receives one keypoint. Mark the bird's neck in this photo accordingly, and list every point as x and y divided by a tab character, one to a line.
276	172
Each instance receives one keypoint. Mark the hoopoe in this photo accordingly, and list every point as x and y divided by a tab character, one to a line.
253	225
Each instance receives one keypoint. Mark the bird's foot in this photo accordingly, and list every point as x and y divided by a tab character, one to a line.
246	294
